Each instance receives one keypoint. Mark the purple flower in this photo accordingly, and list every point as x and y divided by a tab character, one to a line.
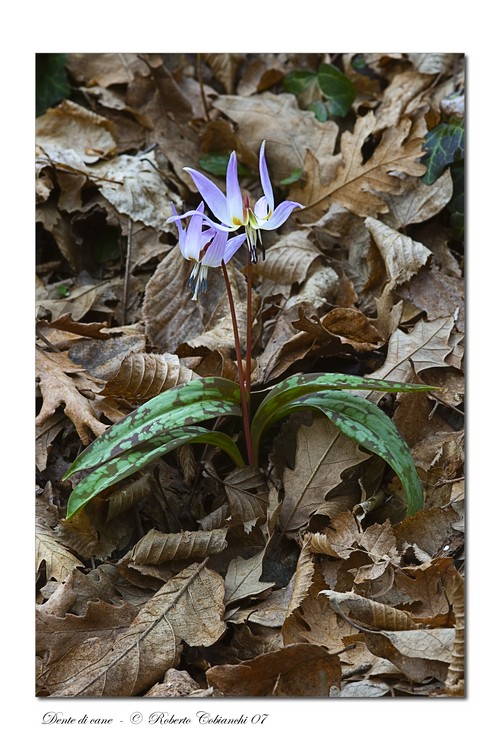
233	212
207	247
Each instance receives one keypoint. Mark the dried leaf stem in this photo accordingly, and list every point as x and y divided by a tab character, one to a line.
241	377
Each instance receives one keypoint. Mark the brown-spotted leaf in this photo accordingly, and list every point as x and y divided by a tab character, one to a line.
295	670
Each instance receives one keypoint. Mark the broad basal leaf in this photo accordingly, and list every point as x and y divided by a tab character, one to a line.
183	405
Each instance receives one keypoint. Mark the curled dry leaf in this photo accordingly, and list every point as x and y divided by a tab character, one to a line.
70	133
188	607
420	202
142	376
155	547
295	670
370	614
403	257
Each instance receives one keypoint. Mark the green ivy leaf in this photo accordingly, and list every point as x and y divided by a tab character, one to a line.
216	164
444	145
298	81
320	109
52	85
337	87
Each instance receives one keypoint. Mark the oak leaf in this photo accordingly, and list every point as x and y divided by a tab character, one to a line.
322	454
58	388
59	562
360	185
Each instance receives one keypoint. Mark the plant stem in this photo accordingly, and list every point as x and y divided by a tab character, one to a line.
248	360
244	395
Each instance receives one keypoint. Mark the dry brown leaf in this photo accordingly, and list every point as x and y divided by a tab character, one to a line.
370	614
45	436
56	634
339	539
155	547
433	63
105	69
135	188
420	202
90	534
58	388
142	376
437	295
419	654
70	134
426	346
59	562
315	621
224	66
188	607
102	359
402	98
95	330
358	184
341	329
424	586
296	670
287	130
302	578
403	257
323	453
429	529
455	677
288	261
243	578
247	493
171	317
176	684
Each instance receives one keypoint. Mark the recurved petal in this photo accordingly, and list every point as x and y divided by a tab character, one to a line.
281	214
211	194
264	178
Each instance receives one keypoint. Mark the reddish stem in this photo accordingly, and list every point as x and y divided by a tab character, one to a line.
248	361
241	378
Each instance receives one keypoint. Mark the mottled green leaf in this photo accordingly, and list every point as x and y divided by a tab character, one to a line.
131	461
444	145
370	427
337	87
187	404
297	386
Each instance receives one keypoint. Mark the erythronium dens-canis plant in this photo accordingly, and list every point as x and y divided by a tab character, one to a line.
174	418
